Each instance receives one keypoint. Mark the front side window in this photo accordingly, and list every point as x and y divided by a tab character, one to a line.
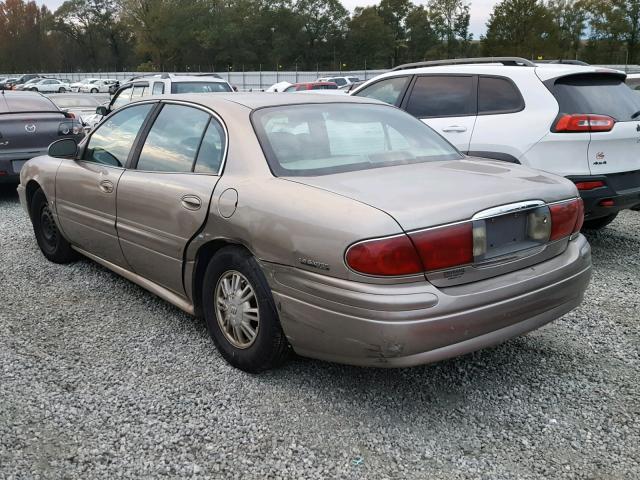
498	95
323	139
388	90
442	96
122	98
200	87
112	141
174	139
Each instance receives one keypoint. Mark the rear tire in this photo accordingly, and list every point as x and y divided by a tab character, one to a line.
599	223
94	90
51	242
237	301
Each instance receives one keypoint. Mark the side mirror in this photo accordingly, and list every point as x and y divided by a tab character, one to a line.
102	110
63	148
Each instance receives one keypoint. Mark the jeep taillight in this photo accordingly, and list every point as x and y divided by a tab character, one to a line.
583	123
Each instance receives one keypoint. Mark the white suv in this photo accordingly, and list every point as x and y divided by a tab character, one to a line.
580	122
159	84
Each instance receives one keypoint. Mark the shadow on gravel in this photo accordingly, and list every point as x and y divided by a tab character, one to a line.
8	192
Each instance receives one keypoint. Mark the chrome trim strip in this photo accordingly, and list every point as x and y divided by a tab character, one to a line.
162	292
509	208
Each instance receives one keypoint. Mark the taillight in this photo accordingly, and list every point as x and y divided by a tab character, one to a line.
583	123
566	218
69	114
386	256
445	247
69	128
589	185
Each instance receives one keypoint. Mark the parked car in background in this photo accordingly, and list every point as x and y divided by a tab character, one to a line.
98	86
458	254
26	85
47	85
29	122
23	79
75	86
161	84
278	87
80	106
297	87
341	82
7	83
577	121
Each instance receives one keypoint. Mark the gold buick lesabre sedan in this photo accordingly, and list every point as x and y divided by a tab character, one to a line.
336	227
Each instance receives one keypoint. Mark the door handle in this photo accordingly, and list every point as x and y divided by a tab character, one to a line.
106	186
191	202
454	128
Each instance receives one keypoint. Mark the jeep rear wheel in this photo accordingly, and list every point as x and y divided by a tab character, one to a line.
599	223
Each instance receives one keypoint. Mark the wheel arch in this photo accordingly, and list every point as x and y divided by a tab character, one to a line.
30	190
203	256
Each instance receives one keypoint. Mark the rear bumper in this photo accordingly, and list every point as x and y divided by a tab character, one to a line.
622	188
409	324
11	162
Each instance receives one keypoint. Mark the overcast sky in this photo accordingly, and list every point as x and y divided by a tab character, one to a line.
480	10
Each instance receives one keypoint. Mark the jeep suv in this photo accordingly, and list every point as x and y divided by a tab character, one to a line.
577	121
160	84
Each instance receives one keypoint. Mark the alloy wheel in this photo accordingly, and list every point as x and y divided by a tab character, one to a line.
236	307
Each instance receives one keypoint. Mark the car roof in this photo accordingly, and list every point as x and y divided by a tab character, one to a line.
543	71
255	100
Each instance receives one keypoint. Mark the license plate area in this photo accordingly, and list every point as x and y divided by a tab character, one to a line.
505	235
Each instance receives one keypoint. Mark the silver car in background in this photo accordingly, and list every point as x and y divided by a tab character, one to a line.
337	227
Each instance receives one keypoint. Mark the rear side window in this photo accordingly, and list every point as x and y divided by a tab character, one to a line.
200	87
442	96
498	95
387	90
211	149
158	88
173	141
598	94
29	103
138	91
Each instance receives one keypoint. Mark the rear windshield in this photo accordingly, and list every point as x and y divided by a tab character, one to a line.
598	94
199	87
327	138
28	103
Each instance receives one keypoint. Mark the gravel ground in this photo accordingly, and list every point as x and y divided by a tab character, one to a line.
100	379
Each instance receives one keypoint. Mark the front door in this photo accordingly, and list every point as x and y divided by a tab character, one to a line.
86	188
164	200
447	103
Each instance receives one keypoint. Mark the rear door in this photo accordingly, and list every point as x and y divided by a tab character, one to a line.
616	150
164	199
447	103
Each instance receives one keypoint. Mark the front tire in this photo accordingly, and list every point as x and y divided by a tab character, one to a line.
61	90
240	312
51	242
94	90
599	223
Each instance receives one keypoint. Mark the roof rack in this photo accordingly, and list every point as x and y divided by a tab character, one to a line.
564	62
507	61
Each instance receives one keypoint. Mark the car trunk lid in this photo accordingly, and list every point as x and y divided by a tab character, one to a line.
426	195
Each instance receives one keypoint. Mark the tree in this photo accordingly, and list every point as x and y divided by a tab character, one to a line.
324	24
421	38
520	27
450	19
394	14
376	50
570	19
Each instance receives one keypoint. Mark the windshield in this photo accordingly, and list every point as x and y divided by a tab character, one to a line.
597	94
327	138
199	87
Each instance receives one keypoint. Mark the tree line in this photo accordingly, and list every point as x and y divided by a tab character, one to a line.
167	35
